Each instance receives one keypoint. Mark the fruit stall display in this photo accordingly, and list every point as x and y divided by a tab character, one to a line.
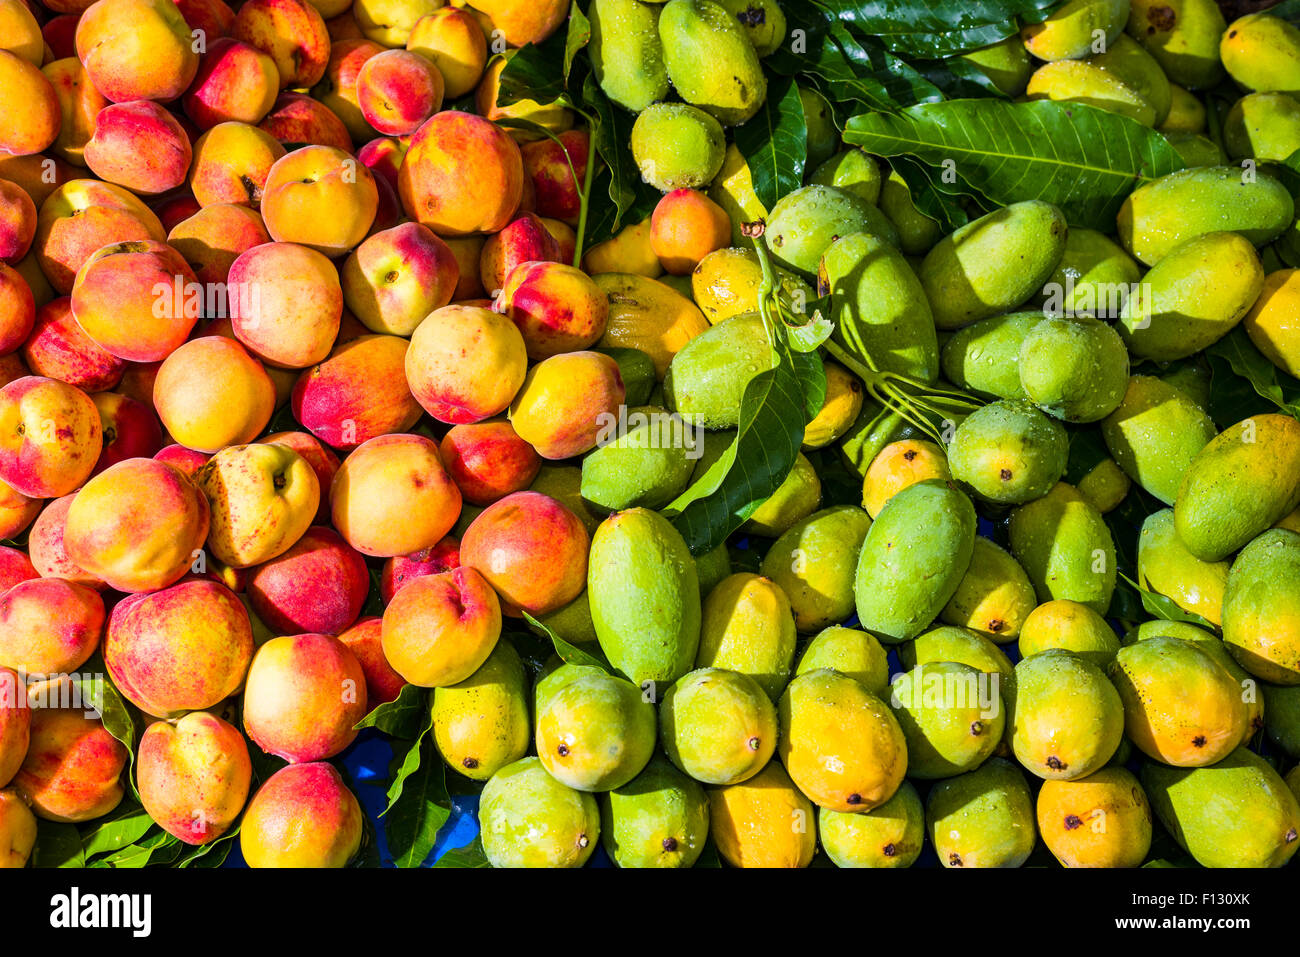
697	433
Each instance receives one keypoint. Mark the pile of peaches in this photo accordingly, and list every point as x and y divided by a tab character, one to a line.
274	318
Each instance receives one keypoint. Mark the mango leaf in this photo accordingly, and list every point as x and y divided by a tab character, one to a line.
577	37
406	761
1239	353
536	72
98	691
471	855
367	855
1166	609
1087	451
1082	159
775	142
944	208
413	820
402	717
570	654
929	28
812	380
157	848
957	79
631	198
212	854
57	845
120	828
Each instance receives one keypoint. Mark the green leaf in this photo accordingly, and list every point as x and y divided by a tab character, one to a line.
413	821
944	208
929	28
775	142
957	78
577	37
1239	353
1082	159
1166	609
471	855
1087	451
811	372
120	828
569	654
535	72
98	691
57	845
632	199
407	756
402	717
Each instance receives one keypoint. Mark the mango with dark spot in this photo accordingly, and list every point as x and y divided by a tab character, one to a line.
951	716
983	818
887	836
995	596
1262	53
950	643
1065	719
1183	36
711	61
658	819
481	724
718	726
1102	820
1008	452
805	222
530	819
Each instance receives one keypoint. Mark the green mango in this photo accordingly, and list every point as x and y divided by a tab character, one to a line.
718	726
647	464
1262	53
1265	126
1126	59
1237	813
983	357
1064	717
1162	215
1183	36
805	222
1009	452
1261	607
880	311
710	60
1006	63
1171	317
595	731
1166	567
951	719
763	21
994	597
1181	706
658	819
1155	434
994	264
813	563
917	232
1094	278
1105	485
638	372
1192	377
983	818
850	652
733	190
795	499
529	819
1066	548
1282	705
1074	30
913	558
852	170
1244	481
822	136
1080	81
891	835
1186	113
747	626
1074	369
571	622
564	484
712	567
626	53
1197	150
873	429
951	643
677	146
481	724
645	596
1066	625
706	379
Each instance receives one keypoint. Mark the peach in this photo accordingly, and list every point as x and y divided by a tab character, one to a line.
181	649
291	32
462	174
137	526
17	222
30	270
177	206
321	459
531	549
81	217
303	816
488	461
138	380
37	174
465	364
137	49
194	776
401	570
15	567
20	34
45	546
558	171
186	461
289	304
392	496
390	22
58	349
452	41
439	629
397	277
139	145
79	104
359	393
321	197
129	427
318	585
343	27
298	119
210	394
564	402
565	236
556	307
60	36
214	237
397	91
231	163
48	626
685	227
49	436
526	239
17	830
235	82
15	724
134	299
17	510
468	251
73	767
30	120
263	498
365	639
213	17
17	308
337	89
305	694
525	21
